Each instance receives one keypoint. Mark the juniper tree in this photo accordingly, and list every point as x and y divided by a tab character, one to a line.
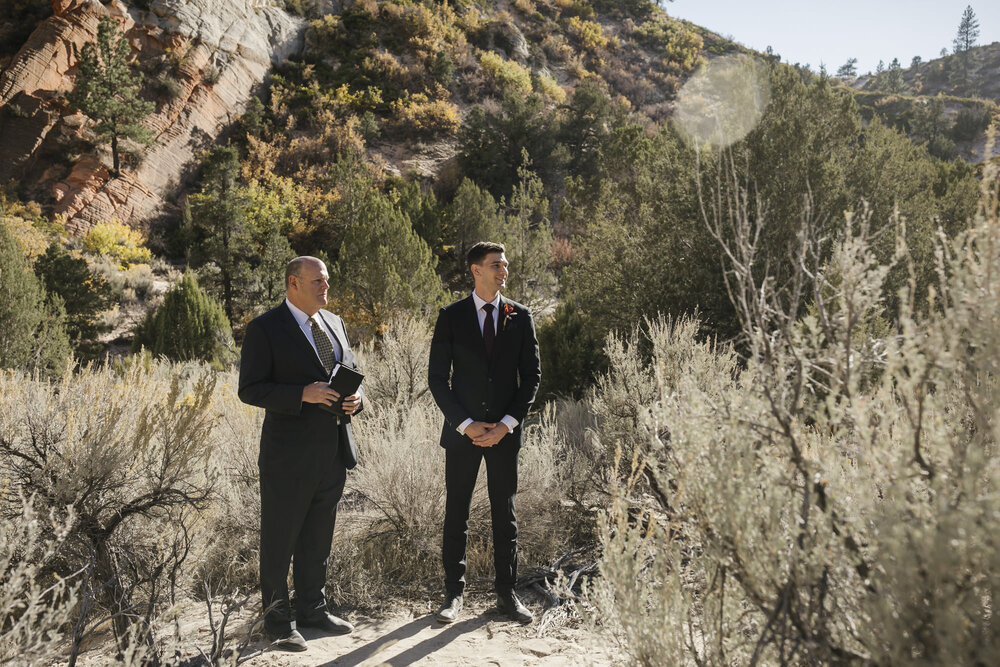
32	327
108	90
85	293
188	325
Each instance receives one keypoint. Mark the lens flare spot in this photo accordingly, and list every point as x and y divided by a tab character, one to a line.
723	101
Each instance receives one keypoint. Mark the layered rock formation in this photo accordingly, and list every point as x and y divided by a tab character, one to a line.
218	51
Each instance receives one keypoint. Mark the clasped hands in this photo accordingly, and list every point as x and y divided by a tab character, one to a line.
320	392
485	434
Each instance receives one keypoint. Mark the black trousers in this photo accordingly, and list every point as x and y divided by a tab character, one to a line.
298	510
461	470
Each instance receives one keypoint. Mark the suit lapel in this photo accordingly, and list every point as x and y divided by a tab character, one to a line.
298	338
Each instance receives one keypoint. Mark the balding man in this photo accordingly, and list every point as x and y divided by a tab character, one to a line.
305	450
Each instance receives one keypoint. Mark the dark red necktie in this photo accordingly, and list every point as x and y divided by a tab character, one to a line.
489	331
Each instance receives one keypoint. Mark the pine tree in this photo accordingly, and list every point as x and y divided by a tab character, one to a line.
32	328
893	77
965	39
968	31
848	69
188	325
108	91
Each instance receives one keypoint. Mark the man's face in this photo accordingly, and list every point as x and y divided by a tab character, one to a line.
491	274
308	289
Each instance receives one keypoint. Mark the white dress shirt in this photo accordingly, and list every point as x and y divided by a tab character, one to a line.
304	322
507	419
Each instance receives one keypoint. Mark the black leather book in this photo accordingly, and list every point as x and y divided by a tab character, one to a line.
345	381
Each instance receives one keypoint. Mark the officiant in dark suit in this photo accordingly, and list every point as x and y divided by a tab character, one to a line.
483	373
305	451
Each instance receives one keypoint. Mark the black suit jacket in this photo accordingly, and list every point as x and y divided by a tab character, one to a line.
468	385
276	363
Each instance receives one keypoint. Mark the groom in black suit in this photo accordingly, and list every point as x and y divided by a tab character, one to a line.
483	373
305	451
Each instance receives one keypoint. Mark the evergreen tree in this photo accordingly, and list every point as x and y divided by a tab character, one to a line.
108	90
32	328
572	353
965	39
217	230
493	143
893	78
188	325
848	69
385	268
84	293
472	216
968	31
527	235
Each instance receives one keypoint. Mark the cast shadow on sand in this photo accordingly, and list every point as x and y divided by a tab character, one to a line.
443	635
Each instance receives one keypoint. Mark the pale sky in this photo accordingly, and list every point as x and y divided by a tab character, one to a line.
831	32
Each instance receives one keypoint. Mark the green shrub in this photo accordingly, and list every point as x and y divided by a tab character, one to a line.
572	353
188	325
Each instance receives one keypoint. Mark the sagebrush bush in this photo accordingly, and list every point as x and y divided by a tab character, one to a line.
122	457
832	498
34	609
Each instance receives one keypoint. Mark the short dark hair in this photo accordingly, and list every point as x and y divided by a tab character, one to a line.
294	267
479	251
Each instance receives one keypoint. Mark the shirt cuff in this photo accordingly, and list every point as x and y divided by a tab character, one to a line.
464	425
510	422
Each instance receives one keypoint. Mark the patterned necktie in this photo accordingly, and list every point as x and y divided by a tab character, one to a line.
323	345
489	331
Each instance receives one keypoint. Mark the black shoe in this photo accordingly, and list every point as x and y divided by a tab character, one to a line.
449	610
327	623
510	606
289	640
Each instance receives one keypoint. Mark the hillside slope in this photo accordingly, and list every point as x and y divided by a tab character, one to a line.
941	102
394	78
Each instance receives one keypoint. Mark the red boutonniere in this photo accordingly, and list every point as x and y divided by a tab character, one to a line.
508	315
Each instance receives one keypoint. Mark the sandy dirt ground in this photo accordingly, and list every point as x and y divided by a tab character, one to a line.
481	636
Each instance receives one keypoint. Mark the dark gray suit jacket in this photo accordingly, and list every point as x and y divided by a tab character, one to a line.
276	363
468	385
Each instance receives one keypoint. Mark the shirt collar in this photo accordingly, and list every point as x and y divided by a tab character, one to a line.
300	317
480	302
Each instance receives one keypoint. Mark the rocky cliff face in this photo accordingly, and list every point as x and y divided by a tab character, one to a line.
219	50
